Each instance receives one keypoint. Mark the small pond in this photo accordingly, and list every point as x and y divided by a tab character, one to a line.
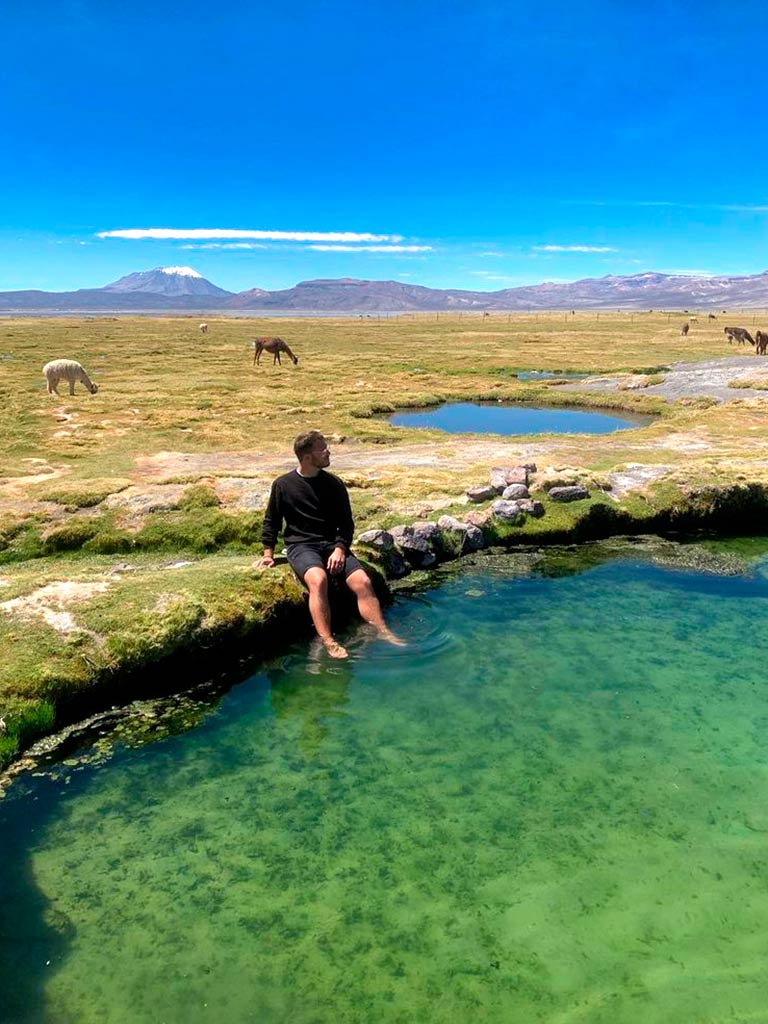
498	418
551	807
549	375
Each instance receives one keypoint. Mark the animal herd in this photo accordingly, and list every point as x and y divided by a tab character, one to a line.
72	372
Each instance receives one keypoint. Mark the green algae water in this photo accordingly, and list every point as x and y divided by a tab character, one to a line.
553	806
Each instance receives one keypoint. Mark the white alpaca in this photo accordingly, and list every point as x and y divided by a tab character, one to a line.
68	370
203	328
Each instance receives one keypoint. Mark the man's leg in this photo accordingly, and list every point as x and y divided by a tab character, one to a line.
316	582
368	605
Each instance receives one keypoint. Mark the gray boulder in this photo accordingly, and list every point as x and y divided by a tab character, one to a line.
507	511
515	491
397	567
467	536
482	493
431	532
380	539
413	547
574	492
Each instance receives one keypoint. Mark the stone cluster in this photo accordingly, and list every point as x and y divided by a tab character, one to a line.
423	544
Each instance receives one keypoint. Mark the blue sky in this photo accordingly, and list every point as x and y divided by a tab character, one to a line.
452	144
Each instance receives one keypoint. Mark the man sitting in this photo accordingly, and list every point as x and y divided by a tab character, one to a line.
318	534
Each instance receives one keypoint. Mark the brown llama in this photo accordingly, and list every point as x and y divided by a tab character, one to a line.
273	345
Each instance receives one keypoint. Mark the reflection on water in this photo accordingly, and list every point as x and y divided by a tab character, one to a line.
550	807
495	418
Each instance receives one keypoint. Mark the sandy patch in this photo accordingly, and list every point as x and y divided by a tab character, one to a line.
52	603
634	477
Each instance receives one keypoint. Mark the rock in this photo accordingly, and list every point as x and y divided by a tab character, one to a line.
475	538
531	507
482	493
502	477
508	511
515	491
397	567
479	518
413	547
431	532
573	493
470	537
380	539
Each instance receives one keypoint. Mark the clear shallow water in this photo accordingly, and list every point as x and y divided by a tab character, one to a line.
493	418
552	807
549	375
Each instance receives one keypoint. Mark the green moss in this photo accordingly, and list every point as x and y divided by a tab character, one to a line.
200	529
199	496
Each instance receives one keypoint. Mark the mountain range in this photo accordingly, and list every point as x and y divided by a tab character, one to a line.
182	288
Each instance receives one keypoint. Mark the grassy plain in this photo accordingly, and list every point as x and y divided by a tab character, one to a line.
101	497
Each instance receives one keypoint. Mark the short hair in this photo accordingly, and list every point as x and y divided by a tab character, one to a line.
305	442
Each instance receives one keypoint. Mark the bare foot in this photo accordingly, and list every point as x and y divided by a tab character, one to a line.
392	638
334	648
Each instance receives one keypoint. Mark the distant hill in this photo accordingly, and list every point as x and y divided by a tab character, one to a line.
181	288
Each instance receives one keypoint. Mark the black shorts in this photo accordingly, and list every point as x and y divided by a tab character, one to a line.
304	556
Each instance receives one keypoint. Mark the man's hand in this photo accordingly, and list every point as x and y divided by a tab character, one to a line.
266	561
335	563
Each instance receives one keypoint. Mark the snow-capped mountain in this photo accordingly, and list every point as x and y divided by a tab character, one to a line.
166	281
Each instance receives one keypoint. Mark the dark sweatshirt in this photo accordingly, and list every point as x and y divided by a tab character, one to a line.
315	508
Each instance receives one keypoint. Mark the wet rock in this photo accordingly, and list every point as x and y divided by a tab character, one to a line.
481	493
380	539
576	492
515	491
507	511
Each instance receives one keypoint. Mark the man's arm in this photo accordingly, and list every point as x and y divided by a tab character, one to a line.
273	520
345	528
345	524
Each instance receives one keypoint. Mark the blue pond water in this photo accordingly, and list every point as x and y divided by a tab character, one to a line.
495	418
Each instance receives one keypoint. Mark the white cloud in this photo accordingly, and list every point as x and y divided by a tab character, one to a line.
270	236
573	248
226	245
490	253
370	248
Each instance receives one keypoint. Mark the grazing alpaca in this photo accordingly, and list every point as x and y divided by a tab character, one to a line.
761	343
203	328
740	334
273	345
684	329
68	370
